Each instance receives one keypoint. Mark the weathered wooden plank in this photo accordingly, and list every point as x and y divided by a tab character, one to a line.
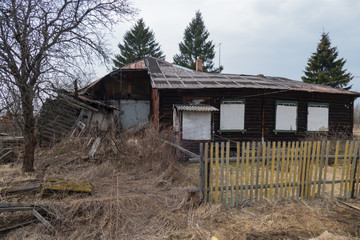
344	169
278	162
237	172
206	187
272	171
257	174
282	171
42	219
321	166
291	168
227	173
15	209
247	170
267	170
318	145
18	225
252	168
347	171
263	166
335	166
303	169
201	172
326	166
353	165
301	156
242	172
211	178
222	173
357	177
217	173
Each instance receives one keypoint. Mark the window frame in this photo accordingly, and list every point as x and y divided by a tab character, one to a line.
279	102
234	100
307	117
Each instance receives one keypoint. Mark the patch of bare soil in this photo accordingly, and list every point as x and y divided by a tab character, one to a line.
140	192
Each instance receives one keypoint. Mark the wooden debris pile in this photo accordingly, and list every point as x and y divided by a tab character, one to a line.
36	211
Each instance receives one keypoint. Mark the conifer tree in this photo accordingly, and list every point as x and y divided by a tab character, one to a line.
324	68
139	43
195	46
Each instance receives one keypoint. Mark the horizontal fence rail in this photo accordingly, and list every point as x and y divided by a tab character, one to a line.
278	170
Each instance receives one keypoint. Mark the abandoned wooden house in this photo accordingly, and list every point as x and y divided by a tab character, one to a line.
218	107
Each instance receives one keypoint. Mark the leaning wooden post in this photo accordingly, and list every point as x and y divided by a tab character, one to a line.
201	171
356	176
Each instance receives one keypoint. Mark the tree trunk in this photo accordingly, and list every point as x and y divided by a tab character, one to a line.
28	131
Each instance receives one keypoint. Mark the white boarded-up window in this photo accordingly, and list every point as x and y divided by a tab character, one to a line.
286	116
232	115
196	125
318	117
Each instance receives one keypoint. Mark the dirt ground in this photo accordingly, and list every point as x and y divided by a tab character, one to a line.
140	192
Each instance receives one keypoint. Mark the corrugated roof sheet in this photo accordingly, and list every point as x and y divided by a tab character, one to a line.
197	108
165	75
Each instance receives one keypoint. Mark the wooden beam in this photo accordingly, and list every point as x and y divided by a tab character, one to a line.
187	152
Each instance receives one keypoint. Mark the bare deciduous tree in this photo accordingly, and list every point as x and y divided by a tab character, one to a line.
45	41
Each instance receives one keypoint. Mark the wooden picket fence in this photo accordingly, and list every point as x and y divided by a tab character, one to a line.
278	170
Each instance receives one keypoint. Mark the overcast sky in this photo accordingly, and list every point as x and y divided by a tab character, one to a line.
272	37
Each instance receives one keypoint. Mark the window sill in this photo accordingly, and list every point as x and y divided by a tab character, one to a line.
284	131
309	132
230	131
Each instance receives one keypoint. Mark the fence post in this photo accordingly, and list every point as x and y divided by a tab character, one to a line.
353	189
201	171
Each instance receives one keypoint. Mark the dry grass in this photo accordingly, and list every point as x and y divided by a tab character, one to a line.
141	192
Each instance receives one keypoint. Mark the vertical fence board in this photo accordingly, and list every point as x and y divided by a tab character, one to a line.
288	172
201	172
263	166
211	172
353	169
282	171
222	173
296	176
311	169
278	162
321	165
357	176
227	174
253	149
267	170
326	166
206	155
307	171
343	171
318	146
232	188
257	171
237	173
335	165
348	170
272	171
247	170
242	172
303	169
217	173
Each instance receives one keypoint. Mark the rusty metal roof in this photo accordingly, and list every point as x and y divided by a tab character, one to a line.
197	108
165	75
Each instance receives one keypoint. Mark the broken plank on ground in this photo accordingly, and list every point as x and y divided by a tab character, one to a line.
67	185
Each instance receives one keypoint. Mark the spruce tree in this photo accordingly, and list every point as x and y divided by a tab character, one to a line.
195	46
139	43
324	68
